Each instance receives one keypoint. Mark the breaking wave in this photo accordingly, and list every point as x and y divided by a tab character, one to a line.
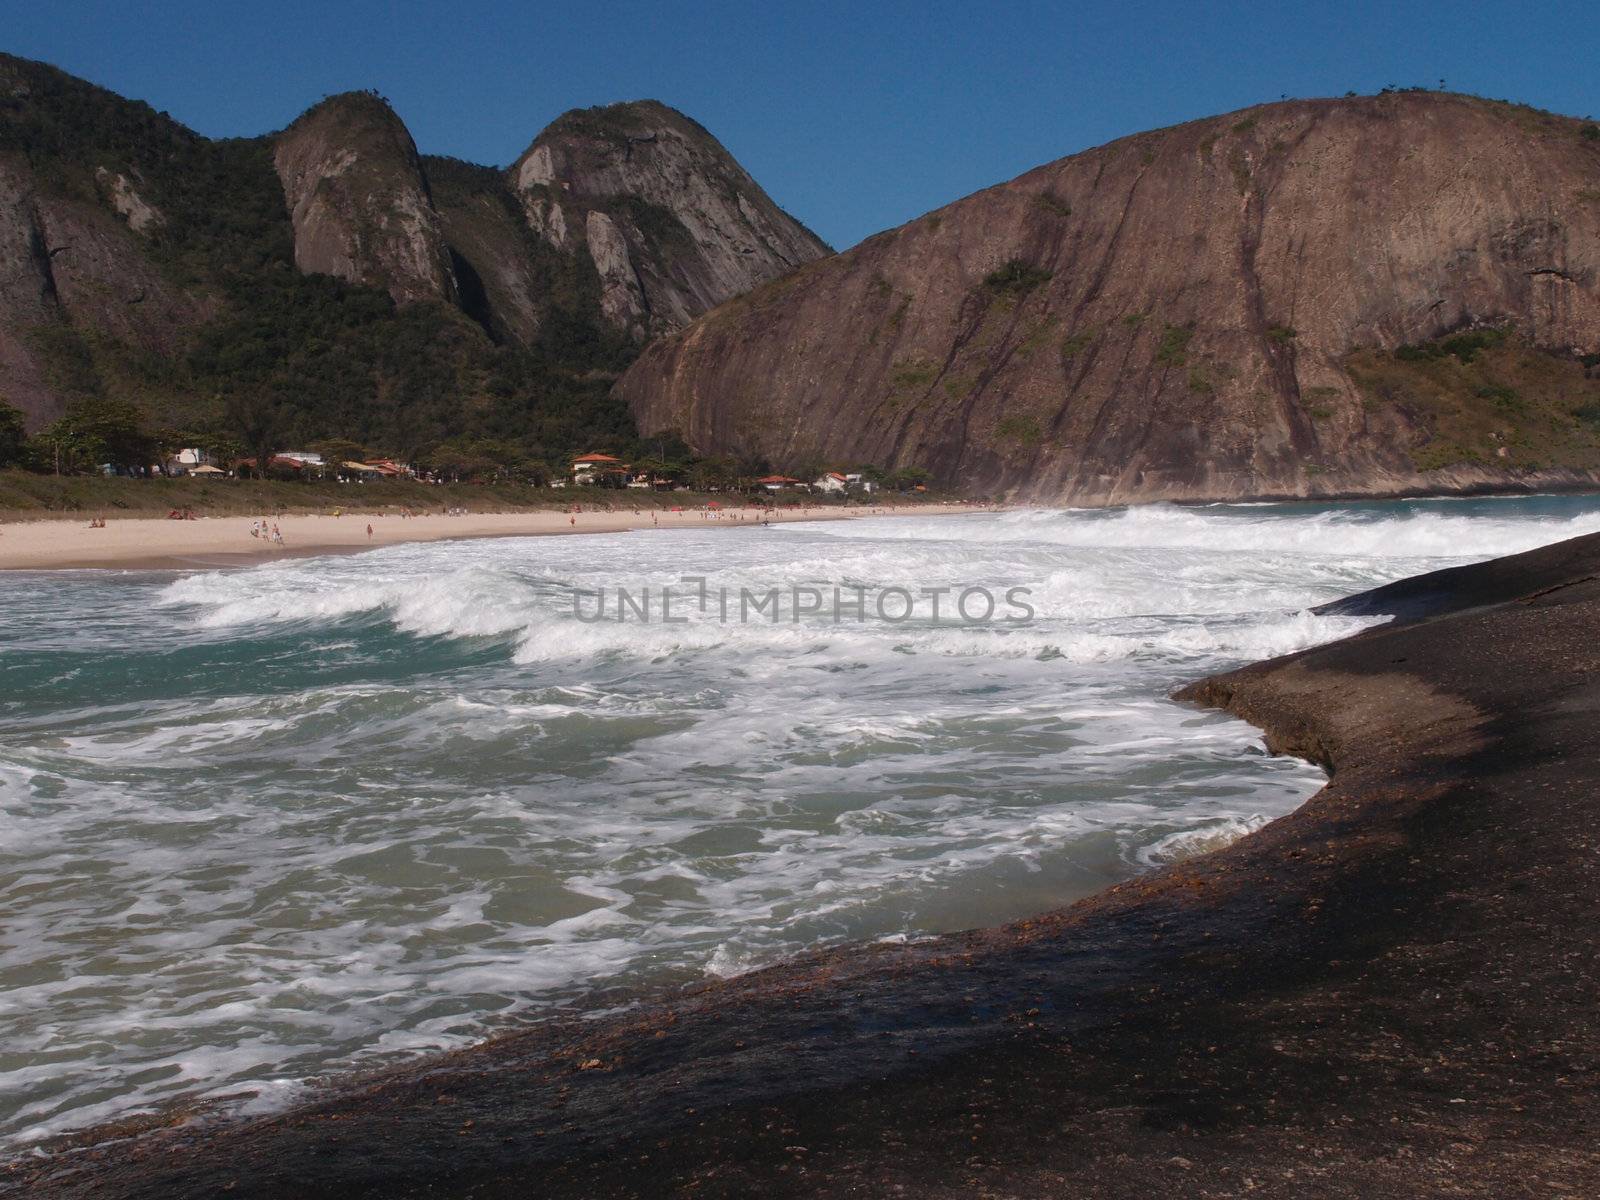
270	823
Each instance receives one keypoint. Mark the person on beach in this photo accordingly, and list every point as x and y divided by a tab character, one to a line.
369	531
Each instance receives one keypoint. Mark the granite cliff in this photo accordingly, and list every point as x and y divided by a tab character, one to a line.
1362	296
76	243
359	202
331	271
673	224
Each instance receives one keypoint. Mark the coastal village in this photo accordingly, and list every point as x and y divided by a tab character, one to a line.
589	470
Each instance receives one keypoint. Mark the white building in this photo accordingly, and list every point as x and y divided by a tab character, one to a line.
586	466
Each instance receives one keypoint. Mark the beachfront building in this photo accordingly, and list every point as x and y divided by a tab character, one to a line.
282	463
185	461
596	468
777	483
830	481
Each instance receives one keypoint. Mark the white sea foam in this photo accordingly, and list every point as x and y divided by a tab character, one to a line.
1373	532
265	824
1203	839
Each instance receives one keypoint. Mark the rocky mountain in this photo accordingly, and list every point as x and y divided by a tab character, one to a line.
331	274
673	224
77	230
359	202
1360	296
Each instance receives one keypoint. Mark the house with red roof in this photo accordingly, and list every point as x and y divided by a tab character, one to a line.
586	468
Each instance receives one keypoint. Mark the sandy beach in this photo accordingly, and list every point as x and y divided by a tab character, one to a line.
161	544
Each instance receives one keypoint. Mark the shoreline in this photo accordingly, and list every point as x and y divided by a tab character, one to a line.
209	543
61	543
1388	992
1552	484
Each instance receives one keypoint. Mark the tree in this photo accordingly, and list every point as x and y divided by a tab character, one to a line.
713	474
222	448
457	459
97	430
665	445
535	472
655	468
907	478
504	459
13	435
261	420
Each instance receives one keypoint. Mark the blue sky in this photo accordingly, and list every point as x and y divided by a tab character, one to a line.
855	116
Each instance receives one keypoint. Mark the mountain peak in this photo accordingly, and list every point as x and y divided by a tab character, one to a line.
362	107
673	223
359	203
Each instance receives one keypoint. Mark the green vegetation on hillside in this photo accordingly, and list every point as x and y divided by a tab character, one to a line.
1488	397
289	359
221	201
1015	278
1463	346
13	438
1173	350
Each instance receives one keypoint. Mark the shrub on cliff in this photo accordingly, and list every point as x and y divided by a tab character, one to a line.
1015	278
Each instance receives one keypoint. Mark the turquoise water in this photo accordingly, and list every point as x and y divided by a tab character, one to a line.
260	825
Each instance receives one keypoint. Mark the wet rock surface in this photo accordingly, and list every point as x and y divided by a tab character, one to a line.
1389	992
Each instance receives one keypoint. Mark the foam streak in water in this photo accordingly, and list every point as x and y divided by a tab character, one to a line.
265	824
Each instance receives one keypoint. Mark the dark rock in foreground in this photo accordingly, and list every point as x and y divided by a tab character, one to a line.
1390	992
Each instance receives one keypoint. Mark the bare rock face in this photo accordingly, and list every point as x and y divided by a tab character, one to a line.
141	215
65	266
129	245
27	295
1209	311
496	260
674	225
359	203
622	298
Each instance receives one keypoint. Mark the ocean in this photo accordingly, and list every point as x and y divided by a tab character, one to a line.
264	825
